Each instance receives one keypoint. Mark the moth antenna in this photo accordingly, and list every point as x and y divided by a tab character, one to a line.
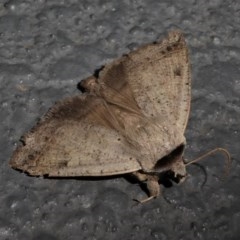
222	150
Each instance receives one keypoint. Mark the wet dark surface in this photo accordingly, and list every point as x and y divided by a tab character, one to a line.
47	47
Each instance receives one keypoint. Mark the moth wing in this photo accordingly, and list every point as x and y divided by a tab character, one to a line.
158	75
75	138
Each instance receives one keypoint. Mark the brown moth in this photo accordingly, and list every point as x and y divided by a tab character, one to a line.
131	118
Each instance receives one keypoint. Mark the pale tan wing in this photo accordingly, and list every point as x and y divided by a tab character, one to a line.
159	78
75	138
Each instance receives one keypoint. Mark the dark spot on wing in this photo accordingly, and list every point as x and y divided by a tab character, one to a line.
30	157
169	48
63	163
177	71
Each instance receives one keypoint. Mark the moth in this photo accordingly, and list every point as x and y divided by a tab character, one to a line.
130	118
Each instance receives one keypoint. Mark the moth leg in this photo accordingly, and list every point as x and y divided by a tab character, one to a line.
152	185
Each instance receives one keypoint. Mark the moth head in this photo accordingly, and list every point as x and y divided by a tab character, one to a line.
173	163
88	85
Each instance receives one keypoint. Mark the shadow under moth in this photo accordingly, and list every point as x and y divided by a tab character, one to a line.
131	118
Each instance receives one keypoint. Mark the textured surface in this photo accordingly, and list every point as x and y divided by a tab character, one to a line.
46	48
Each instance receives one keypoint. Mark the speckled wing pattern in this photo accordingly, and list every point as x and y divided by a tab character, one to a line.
93	134
71	140
159	76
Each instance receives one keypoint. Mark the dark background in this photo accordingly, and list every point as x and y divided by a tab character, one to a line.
47	47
